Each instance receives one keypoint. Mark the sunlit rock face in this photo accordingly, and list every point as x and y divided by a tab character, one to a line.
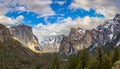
104	35
25	35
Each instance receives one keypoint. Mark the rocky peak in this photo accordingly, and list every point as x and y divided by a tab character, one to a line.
81	31
76	33
24	34
117	18
51	44
65	45
71	43
73	33
87	38
109	31
4	33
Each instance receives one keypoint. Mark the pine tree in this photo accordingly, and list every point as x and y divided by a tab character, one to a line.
103	59
55	63
72	62
79	65
37	66
83	57
92	63
116	55
106	62
99	58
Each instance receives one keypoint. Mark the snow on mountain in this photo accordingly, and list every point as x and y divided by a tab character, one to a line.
51	44
106	34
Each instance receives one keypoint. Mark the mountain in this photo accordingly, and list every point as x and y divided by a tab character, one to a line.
12	52
107	34
51	44
71	43
24	34
4	33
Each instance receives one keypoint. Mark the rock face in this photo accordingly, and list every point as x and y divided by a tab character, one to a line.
71	43
104	35
65	45
25	35
51	44
4	33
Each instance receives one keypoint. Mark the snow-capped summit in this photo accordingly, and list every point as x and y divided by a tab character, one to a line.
51	44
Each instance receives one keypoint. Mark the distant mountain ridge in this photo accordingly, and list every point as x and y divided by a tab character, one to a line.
104	35
107	33
51	44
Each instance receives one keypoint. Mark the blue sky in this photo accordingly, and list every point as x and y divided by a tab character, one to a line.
61	12
56	17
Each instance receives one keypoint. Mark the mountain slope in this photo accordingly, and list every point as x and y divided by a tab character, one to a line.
12	53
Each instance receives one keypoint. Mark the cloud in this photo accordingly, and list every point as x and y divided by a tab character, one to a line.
7	20
63	26
107	7
2	9
19	19
22	8
41	7
60	2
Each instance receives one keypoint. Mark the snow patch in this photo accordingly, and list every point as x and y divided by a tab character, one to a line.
118	43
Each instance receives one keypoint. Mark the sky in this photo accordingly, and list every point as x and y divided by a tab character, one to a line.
56	17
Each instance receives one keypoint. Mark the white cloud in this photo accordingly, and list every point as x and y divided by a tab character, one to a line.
61	2
2	9
19	19
39	6
107	7
22	8
63	26
7	20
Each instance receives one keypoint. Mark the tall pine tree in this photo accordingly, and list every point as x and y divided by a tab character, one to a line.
116	55
83	58
72	62
55	63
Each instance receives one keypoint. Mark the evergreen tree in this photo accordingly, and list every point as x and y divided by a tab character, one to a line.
99	58
106	62
92	63
37	66
83	58
116	55
55	63
103	59
79	65
72	62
